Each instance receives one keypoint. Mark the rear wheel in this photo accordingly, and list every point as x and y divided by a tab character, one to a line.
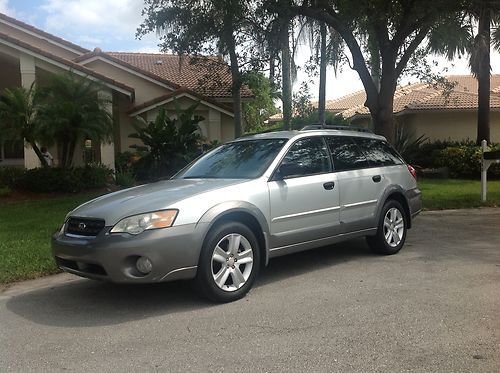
391	233
229	262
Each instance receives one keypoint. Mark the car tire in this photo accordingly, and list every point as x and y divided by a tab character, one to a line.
229	262
392	228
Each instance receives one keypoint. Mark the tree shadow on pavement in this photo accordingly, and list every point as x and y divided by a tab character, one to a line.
87	303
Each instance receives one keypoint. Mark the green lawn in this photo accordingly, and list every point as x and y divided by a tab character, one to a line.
25	232
26	227
439	194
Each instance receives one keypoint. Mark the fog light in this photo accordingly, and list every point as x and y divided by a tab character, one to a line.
144	265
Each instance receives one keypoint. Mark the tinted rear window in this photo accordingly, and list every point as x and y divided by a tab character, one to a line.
346	154
379	153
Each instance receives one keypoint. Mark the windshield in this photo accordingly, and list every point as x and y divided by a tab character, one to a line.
245	159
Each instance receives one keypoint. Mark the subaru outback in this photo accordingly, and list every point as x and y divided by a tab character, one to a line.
223	217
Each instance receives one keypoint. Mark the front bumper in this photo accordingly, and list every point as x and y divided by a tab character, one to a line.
173	252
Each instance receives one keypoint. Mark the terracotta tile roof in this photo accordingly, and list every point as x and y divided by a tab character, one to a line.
422	96
42	34
178	92
65	62
208	76
345	102
97	52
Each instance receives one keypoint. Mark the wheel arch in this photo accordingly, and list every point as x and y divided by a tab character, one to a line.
242	212
397	193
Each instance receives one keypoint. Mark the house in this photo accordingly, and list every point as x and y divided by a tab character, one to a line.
136	84
427	110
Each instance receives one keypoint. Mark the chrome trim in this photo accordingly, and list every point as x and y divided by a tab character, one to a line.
178	270
78	236
359	204
305	213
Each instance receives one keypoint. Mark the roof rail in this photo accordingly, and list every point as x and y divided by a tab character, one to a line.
318	126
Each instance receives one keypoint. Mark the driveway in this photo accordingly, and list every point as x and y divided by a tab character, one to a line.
433	307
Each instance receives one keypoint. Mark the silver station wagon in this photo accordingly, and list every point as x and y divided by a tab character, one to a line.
224	216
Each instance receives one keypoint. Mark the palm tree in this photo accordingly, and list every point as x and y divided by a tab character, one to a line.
456	37
326	46
18	117
72	111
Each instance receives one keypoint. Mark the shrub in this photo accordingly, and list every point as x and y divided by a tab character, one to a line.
10	175
125	179
76	179
5	191
425	154
168	144
464	161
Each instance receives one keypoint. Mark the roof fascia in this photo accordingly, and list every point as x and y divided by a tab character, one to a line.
173	97
40	36
65	67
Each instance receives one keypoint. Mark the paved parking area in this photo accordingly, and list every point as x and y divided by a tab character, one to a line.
434	307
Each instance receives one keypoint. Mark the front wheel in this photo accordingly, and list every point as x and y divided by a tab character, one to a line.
391	233
229	262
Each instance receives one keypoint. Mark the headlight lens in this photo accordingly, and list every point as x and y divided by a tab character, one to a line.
139	223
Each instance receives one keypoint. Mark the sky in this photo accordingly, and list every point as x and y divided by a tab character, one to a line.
111	25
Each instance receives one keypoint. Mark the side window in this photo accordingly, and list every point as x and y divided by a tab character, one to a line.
346	154
307	156
378	152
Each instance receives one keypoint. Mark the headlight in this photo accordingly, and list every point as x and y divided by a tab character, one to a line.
139	223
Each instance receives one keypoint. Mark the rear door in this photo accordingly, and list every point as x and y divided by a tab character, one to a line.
359	184
305	201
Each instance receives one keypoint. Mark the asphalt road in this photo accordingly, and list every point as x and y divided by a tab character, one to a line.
434	307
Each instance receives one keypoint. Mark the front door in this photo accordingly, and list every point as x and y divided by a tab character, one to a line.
304	198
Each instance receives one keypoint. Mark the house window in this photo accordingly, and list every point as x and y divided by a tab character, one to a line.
88	152
12	149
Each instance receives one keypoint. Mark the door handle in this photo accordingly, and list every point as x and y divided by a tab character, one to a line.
329	186
376	178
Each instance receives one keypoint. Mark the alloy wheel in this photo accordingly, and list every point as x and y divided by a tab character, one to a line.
232	262
394	226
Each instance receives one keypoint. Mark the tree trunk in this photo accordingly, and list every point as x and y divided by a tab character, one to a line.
236	93
64	154
382	111
272	68
483	79
38	153
286	72
322	75
235	75
71	153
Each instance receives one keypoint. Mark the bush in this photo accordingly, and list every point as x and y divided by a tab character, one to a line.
76	179
168	144
425	154
125	179
10	175
4	191
464	161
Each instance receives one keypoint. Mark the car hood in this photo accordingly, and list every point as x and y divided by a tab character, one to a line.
145	198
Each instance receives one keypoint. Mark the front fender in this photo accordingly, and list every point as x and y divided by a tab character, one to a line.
215	213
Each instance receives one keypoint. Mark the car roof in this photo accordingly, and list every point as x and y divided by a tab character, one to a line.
307	132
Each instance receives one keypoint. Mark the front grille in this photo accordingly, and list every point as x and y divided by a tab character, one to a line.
85	227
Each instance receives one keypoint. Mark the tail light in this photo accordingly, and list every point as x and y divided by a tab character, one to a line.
413	172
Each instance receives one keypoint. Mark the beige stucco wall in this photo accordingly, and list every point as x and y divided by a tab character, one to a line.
450	125
144	89
227	128
37	42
